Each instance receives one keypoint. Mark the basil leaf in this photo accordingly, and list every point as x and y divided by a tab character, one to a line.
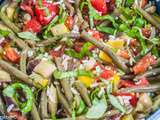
115	102
108	30
61	74
28	36
84	51
4	33
98	108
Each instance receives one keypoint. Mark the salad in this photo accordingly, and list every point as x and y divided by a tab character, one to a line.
79	59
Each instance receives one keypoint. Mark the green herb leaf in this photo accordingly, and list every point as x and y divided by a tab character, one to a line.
97	109
81	107
84	51
115	102
61	75
107	30
28	36
4	33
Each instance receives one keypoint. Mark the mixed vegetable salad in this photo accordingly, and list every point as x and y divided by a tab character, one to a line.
79	59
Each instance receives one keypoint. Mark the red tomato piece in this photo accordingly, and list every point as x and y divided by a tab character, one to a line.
100	6
46	12
133	98
69	22
146	32
123	54
106	74
143	3
95	34
142	81
143	64
16	115
33	26
11	54
126	83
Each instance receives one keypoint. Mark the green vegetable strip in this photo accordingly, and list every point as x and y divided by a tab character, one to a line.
10	91
61	75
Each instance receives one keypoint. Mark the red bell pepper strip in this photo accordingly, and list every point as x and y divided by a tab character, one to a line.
100	6
11	55
143	64
133	98
45	11
33	26
27	8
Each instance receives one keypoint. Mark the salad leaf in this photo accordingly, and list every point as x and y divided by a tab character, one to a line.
118	3
108	30
97	109
28	36
61	75
81	107
129	2
115	102
84	51
4	33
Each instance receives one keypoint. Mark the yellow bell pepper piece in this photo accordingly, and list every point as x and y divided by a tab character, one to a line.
116	44
115	82
87	81
127	117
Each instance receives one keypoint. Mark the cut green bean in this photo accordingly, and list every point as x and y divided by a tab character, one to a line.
83	92
147	74
14	71
52	100
43	105
148	17
62	100
140	89
18	41
34	112
7	22
65	82
23	61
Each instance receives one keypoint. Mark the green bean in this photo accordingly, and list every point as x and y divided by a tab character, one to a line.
18	41
7	22
156	103
83	92
43	105
55	39
106	49
69	7
34	112
23	61
62	100
77	118
147	74
2	109
148	17
64	82
14	71
154	79
52	100
140	89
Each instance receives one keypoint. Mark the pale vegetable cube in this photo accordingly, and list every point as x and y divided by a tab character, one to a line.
59	29
45	68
